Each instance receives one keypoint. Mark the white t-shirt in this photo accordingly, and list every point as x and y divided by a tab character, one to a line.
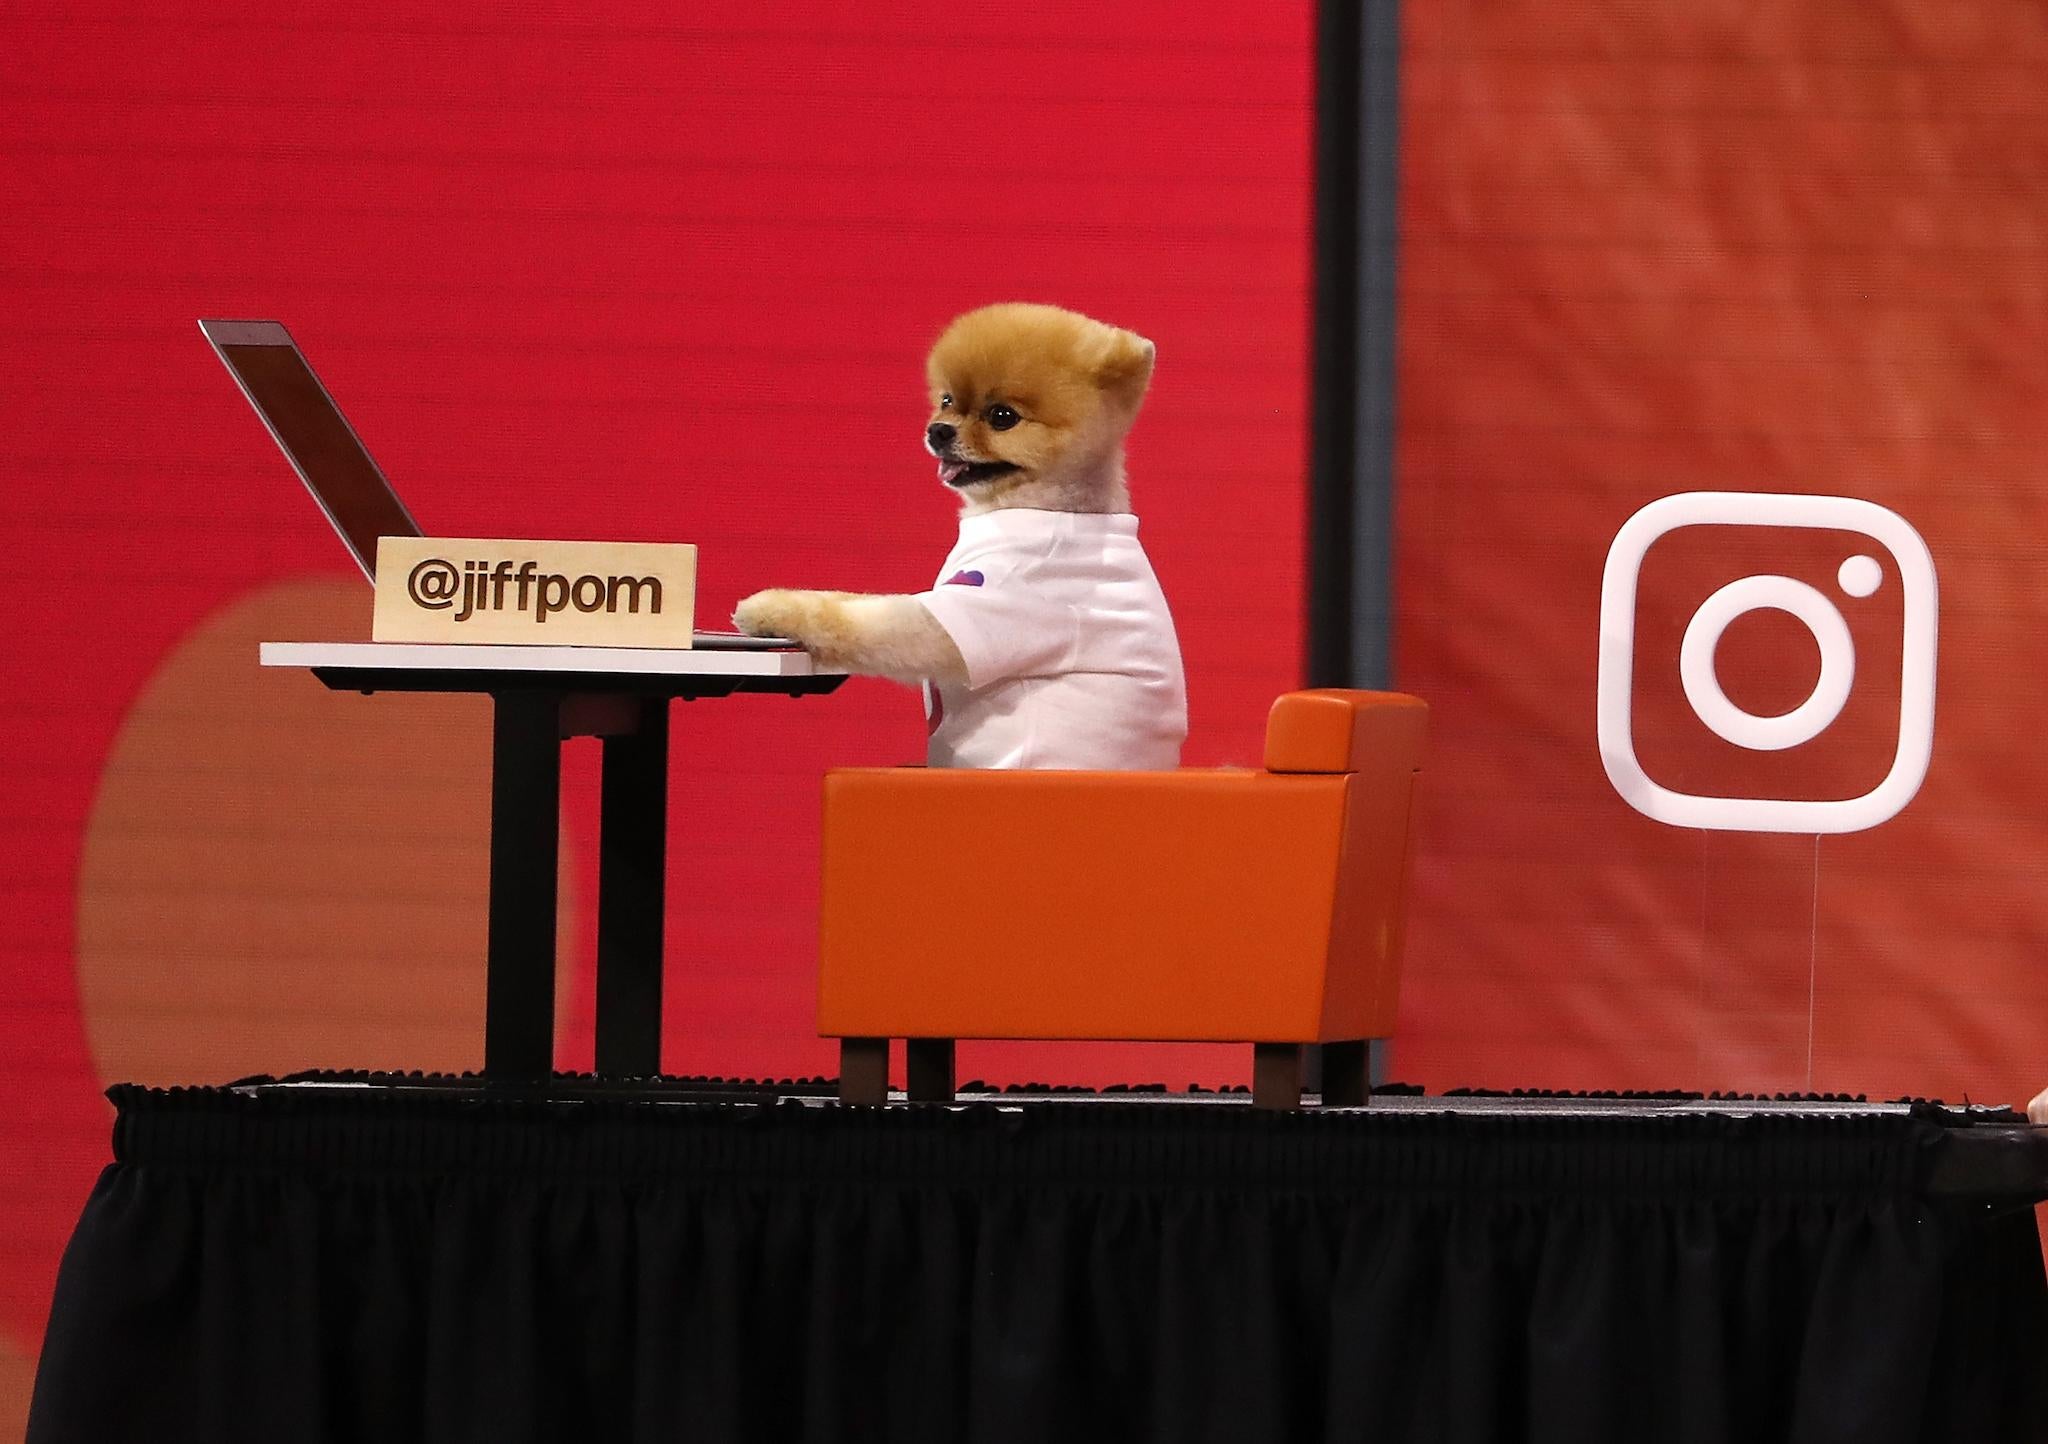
1071	655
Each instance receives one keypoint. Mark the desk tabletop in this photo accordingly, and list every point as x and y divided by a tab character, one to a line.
599	661
474	667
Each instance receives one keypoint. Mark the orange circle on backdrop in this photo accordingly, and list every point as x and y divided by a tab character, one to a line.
278	877
17	1381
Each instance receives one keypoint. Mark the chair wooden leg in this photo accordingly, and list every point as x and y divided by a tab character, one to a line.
1346	1083
928	1069
864	1070
1276	1075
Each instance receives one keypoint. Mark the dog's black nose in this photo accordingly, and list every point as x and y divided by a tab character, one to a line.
938	436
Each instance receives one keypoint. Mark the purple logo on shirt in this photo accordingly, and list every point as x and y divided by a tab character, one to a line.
965	579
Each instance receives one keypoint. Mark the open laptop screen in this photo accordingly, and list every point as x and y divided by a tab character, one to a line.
314	435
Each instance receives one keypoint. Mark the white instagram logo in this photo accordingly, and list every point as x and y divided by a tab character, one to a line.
1859	576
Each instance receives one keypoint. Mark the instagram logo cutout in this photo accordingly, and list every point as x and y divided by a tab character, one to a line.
1911	569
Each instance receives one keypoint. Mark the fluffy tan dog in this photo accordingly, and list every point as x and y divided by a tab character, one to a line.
1030	407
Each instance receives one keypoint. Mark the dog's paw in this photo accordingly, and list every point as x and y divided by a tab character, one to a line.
775	613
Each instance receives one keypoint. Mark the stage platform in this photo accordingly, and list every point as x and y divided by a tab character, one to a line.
406	1258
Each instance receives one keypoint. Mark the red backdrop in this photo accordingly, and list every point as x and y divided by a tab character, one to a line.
668	274
1744	246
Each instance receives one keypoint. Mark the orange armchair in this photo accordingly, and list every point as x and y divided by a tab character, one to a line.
1236	906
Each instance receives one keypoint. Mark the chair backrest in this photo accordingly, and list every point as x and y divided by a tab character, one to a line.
1332	729
1377	739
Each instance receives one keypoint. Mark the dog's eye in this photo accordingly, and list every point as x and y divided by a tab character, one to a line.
1002	418
946	402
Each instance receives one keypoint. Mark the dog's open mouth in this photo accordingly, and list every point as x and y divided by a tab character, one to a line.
967	473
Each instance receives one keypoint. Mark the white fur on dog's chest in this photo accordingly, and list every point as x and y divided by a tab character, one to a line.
1072	660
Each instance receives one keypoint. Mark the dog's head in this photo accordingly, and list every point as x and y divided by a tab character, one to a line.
1031	404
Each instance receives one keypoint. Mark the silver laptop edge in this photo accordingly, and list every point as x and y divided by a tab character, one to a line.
273	333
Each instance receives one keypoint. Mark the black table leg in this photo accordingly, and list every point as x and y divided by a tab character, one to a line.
526	809
631	877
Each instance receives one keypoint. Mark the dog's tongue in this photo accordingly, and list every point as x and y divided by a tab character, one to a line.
949	470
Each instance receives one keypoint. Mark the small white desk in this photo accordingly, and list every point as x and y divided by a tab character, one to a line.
541	696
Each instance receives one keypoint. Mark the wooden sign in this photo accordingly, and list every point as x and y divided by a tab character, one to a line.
587	594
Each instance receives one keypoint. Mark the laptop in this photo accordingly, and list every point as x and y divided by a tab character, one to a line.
332	460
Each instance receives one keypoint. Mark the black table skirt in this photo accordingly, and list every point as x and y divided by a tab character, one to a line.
394	1265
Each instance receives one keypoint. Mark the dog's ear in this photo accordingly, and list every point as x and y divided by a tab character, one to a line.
1126	367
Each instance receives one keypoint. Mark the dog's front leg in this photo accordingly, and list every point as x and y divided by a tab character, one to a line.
877	636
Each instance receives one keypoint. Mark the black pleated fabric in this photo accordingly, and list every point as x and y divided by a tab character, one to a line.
279	1267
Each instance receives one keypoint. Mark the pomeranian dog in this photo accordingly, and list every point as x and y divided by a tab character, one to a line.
1046	641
